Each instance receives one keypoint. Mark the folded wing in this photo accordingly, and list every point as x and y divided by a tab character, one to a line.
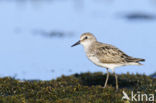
111	54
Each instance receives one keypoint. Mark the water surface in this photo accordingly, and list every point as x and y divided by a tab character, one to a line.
32	48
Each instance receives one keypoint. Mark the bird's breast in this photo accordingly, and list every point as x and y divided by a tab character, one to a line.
93	58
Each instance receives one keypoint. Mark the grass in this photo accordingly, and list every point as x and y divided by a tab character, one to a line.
77	88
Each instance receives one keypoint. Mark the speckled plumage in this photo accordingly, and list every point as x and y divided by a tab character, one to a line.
107	53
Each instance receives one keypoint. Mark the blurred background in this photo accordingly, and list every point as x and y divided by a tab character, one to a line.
36	35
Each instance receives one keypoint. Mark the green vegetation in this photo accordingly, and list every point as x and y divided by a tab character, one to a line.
78	88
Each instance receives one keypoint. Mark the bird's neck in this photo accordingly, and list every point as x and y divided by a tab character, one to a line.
88	46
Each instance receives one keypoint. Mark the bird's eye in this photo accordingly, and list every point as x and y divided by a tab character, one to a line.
86	37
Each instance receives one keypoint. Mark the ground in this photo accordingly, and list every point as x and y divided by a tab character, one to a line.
77	88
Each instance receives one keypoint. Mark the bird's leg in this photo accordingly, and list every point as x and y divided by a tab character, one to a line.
106	78
116	79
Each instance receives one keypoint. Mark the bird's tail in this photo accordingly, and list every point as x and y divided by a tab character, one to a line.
135	61
139	60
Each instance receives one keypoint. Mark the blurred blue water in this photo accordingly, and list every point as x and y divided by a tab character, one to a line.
30	56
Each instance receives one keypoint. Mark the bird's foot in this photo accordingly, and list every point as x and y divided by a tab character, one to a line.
116	89
104	86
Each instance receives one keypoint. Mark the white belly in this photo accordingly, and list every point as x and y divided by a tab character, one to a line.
96	61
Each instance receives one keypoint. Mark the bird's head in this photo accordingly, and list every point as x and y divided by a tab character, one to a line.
85	39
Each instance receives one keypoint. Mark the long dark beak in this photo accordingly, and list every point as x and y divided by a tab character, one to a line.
77	43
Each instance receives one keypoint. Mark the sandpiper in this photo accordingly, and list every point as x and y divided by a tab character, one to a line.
105	55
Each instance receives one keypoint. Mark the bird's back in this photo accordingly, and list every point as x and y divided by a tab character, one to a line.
109	54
